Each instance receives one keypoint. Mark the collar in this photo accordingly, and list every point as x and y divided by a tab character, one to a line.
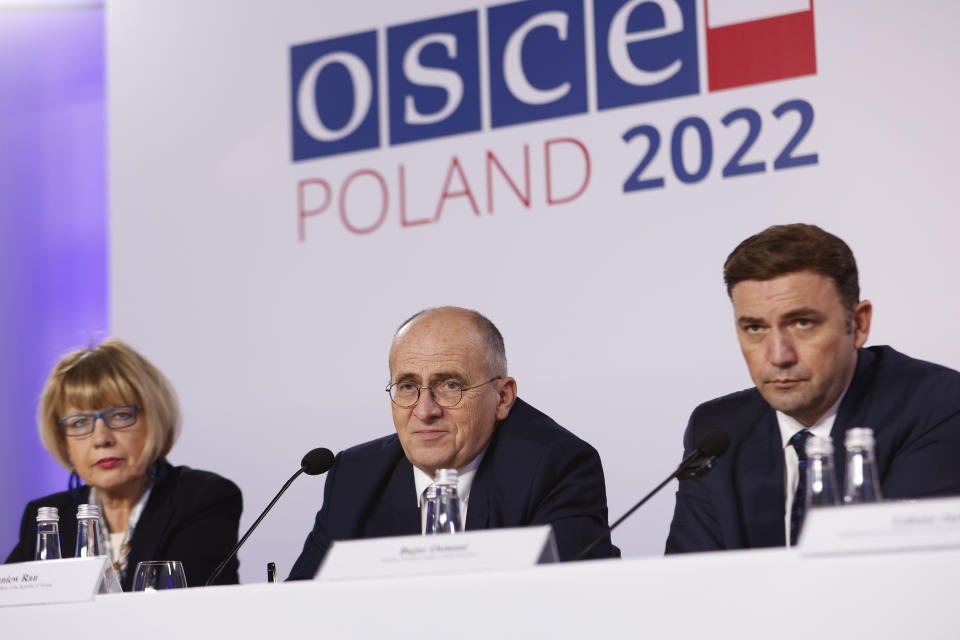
120	558
465	475
821	428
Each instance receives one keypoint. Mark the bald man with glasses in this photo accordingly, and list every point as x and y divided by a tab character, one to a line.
455	407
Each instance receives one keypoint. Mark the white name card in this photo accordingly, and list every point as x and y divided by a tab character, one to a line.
50	581
884	526
424	555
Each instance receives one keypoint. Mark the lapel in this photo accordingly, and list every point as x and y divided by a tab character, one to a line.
759	481
478	506
395	512
853	410
483	510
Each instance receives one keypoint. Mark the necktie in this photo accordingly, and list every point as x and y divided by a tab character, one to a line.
799	442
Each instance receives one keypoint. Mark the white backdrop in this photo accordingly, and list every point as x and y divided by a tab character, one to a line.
612	304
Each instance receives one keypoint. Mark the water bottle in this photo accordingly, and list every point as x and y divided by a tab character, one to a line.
48	534
448	502
861	483
431	497
89	537
822	489
90	544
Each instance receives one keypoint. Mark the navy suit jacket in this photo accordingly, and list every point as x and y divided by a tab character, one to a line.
912	406
191	516
534	472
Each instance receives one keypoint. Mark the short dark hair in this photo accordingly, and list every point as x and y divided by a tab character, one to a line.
496	358
789	248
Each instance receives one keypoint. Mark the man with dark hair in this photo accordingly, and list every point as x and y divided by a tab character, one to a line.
802	330
455	407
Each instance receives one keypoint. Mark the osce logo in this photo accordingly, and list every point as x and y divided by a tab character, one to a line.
535	55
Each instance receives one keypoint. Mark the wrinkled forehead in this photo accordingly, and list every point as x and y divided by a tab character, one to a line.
437	343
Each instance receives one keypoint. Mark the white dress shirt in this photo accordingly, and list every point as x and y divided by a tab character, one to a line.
465	476
791	462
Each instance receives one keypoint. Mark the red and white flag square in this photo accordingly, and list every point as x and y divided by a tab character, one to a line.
753	41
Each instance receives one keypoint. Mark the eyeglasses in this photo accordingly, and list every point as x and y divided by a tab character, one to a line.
83	424
446	393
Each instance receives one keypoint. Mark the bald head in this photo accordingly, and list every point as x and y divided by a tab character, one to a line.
451	347
470	326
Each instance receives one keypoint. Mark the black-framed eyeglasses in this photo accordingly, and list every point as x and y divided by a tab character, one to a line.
446	393
83	424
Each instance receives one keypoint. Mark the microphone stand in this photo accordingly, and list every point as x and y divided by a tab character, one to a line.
685	465
216	572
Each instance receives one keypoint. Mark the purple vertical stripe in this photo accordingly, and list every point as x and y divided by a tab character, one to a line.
53	227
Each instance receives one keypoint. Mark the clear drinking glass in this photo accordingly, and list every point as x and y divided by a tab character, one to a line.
155	575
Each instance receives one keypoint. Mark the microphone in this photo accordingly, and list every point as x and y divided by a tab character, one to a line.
709	447
316	461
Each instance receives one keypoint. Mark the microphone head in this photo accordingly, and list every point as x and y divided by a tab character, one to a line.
713	444
318	461
709	447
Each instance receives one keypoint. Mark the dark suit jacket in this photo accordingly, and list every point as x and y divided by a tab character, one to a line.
191	516
912	406
534	472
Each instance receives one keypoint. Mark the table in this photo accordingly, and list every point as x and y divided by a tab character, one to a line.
735	594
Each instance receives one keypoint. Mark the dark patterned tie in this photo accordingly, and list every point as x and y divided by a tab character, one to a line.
799	442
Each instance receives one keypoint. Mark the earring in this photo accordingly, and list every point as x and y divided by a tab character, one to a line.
74	484
156	472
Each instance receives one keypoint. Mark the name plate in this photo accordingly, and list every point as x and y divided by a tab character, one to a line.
884	526
50	581
423	555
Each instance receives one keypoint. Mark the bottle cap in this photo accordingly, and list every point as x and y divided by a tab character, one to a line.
48	514
88	511
445	476
819	446
859	438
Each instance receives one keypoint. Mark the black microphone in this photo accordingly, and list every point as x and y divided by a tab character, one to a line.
316	461
709	447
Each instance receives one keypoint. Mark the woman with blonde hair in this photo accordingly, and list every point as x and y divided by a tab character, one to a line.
110	417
